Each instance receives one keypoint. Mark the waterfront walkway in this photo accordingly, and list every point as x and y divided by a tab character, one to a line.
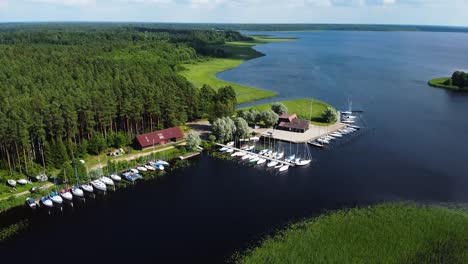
256	154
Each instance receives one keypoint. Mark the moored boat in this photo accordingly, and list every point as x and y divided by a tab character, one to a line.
87	188
77	192
115	177
261	161
272	163
99	185
56	199
284	168
31	202
66	195
46	202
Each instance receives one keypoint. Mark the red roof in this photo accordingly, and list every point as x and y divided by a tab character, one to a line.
157	137
288	117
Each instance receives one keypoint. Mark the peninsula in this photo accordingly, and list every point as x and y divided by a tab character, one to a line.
458	82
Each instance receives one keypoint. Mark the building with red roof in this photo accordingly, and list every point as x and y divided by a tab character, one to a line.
292	123
159	137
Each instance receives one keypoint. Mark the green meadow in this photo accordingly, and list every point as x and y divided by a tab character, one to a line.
442	83
304	108
204	72
388	233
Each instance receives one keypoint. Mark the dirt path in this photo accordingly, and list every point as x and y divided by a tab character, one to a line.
133	156
16	195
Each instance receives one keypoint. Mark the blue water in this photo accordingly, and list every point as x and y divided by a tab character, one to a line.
414	148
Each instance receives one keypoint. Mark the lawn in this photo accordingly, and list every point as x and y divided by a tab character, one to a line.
388	233
440	83
204	72
304	108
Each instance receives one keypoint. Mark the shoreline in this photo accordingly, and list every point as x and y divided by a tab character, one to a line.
205	72
439	83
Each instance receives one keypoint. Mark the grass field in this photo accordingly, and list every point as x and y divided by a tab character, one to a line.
389	233
205	72
439	82
301	107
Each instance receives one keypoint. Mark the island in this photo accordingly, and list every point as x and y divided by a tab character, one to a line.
458	82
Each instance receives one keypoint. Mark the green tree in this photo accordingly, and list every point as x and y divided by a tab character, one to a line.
97	144
269	118
193	140
242	128
279	108
329	115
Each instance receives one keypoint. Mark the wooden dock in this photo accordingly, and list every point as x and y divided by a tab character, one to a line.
189	155
256	154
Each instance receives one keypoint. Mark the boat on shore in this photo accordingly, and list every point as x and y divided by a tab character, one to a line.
22	181
12	183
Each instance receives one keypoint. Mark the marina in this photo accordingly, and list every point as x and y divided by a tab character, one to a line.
260	155
314	132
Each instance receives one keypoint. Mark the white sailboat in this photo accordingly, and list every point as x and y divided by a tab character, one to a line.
284	168
316	144
261	161
272	163
99	185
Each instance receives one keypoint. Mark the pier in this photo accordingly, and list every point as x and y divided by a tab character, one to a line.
189	155
256	154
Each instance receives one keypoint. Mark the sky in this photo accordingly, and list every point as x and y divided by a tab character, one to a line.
415	12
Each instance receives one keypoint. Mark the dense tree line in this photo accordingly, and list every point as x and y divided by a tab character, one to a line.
460	79
84	90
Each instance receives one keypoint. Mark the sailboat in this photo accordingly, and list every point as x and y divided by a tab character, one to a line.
272	163
261	161
316	143
65	193
56	199
46	202
99	185
307	159
284	168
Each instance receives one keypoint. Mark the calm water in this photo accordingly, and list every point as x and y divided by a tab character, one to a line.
414	149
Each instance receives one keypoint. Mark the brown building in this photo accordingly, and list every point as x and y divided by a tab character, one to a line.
292	123
159	137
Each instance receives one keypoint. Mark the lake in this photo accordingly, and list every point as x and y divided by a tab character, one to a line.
414	148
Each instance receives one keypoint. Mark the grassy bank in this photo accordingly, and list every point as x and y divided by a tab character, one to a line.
205	72
301	107
389	233
442	83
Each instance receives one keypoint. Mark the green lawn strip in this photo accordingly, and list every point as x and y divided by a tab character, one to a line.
388	233
440	83
301	107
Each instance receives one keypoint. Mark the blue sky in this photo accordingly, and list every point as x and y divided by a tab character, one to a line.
423	12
